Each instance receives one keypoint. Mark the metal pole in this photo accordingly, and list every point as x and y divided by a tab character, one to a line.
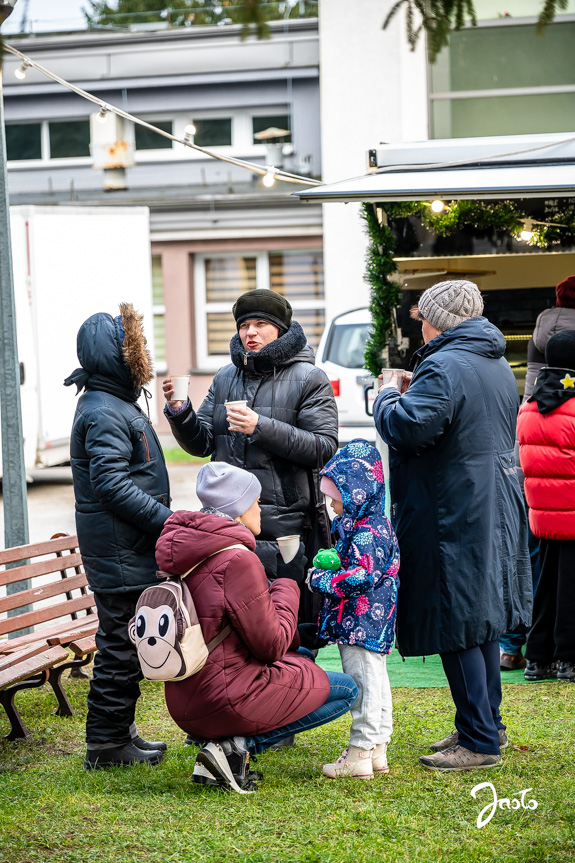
13	468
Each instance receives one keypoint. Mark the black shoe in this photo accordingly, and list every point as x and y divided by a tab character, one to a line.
536	671
566	671
286	743
193	741
214	767
148	745
121	756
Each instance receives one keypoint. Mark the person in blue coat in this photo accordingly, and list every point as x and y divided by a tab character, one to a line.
458	513
122	501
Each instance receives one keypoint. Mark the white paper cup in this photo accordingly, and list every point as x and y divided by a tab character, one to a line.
180	384
386	375
240	403
289	546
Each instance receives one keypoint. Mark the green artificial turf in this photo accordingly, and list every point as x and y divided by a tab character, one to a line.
53	811
411	671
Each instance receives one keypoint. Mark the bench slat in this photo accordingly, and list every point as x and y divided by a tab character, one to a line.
82	646
73	634
42	591
50	546
31	666
40	567
12	644
42	615
10	659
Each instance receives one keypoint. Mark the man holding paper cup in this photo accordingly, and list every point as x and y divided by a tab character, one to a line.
271	412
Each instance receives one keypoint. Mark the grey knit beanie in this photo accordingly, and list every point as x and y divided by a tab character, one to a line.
450	303
230	489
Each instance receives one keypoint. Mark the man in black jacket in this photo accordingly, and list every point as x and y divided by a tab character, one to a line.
122	501
288	425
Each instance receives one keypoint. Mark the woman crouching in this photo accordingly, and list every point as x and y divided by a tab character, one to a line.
255	689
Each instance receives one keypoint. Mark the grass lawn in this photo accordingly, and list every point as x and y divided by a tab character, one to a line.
176	455
53	811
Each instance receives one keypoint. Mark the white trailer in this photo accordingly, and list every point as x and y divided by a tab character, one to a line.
69	262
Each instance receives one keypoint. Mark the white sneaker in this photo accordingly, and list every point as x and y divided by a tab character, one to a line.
379	758
352	762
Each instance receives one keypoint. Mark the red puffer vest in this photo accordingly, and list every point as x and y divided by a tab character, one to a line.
547	452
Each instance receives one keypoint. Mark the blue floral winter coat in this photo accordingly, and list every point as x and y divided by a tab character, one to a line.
360	598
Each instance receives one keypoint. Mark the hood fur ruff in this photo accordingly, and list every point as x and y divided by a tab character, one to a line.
136	354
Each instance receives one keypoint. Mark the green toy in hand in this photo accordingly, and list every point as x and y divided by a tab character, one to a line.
327	558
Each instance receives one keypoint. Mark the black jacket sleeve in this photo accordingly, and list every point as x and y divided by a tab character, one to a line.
317	417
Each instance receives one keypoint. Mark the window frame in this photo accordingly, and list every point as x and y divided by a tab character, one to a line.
46	158
448	96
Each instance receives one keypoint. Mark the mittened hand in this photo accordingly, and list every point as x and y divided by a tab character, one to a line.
327	558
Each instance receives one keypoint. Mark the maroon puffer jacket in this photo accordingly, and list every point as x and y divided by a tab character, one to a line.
547	452
250	683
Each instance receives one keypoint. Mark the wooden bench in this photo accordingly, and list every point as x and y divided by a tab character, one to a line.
67	623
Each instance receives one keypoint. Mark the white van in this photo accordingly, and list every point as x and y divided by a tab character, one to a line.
340	354
70	262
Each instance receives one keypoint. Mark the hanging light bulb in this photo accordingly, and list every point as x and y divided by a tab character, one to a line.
437	206
527	232
20	72
269	178
103	114
189	132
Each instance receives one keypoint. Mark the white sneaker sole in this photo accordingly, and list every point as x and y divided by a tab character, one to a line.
212	757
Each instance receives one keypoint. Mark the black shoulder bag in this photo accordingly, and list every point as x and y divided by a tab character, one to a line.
317	535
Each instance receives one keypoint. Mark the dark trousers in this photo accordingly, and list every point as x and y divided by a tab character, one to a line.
474	679
114	688
512	642
552	635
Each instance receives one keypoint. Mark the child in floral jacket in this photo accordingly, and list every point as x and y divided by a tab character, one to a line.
360	599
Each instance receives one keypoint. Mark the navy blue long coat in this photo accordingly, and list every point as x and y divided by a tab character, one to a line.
120	477
457	506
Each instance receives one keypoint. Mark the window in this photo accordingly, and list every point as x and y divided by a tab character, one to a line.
69	138
159	314
299	277
220	279
277	121
54	139
504	79
148	140
213	133
23	141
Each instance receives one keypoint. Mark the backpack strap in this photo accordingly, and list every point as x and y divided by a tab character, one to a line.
227	629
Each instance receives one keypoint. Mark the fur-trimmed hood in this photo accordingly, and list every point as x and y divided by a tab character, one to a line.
113	354
286	349
136	354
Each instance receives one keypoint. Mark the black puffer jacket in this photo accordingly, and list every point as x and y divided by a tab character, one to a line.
120	478
296	406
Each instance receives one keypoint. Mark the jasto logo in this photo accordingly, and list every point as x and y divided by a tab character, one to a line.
487	813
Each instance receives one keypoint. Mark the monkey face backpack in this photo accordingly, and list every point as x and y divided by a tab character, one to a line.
167	632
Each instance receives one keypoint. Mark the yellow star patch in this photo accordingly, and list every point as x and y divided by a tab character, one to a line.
568	381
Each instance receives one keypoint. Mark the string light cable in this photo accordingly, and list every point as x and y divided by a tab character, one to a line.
266	171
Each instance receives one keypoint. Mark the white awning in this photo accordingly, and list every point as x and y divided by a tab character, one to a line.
516	166
532	181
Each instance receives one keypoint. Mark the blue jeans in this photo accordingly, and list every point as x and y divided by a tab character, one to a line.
342	696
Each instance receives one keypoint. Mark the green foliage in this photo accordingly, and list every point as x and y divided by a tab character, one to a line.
437	18
385	293
482	218
53	811
252	14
